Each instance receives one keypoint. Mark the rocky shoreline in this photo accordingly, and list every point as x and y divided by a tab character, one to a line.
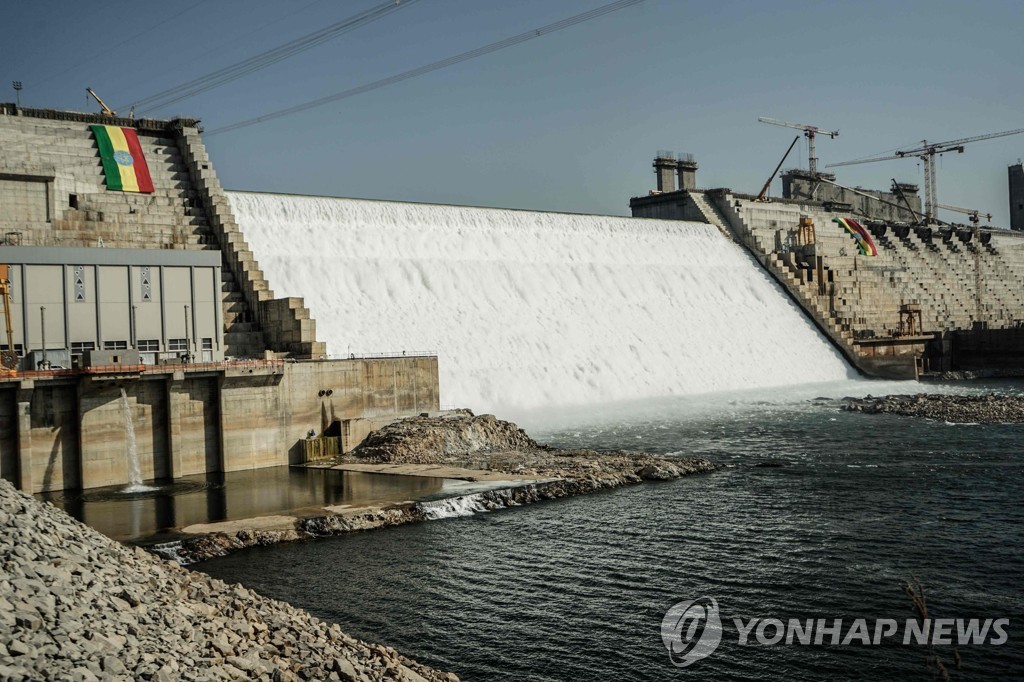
467	441
956	409
76	605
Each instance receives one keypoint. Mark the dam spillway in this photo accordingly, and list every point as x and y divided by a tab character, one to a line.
528	310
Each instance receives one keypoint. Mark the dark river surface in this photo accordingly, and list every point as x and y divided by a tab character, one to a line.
852	507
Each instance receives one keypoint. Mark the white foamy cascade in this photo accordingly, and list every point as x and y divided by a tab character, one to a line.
131	450
530	310
464	505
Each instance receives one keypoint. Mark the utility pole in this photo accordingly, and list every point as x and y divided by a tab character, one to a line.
187	344
42	325
17	91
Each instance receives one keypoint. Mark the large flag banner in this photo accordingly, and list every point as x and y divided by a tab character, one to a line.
123	162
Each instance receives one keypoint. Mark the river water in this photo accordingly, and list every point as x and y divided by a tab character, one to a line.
852	507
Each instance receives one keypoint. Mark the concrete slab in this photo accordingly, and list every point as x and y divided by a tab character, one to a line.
438	471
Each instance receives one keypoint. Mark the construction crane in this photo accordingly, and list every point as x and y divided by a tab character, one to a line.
764	190
973	215
927	152
107	111
8	356
809	132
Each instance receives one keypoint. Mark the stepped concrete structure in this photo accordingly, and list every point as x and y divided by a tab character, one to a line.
158	294
932	299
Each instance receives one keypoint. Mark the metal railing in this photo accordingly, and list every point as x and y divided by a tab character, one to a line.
384	355
323	449
142	369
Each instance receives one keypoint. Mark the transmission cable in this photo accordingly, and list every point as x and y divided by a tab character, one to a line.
124	42
222	45
262	60
435	66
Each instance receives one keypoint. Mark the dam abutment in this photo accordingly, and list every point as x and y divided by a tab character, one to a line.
69	432
897	301
156	293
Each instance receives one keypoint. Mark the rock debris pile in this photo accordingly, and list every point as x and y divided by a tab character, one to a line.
430	440
484	442
460	440
75	605
957	409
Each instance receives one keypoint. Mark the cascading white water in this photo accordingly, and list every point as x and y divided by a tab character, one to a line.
131	450
530	310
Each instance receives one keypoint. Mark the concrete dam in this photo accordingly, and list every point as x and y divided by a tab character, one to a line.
530	310
239	331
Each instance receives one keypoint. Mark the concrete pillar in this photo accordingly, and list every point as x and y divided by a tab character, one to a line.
25	436
665	169
1016	174
687	170
175	408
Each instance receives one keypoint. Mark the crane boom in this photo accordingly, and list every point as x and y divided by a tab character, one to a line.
809	132
927	152
107	111
974	214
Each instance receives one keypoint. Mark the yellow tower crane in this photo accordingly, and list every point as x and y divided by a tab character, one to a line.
8	357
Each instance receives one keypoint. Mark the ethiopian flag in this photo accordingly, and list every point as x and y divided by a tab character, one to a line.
123	162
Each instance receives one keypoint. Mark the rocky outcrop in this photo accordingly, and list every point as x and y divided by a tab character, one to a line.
460	440
75	605
430	440
957	409
485	442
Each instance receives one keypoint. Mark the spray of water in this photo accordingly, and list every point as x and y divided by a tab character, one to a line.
135	484
533	310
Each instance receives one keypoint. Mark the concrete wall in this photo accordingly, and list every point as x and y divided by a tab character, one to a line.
51	445
1016	177
70	432
103	444
9	435
800	186
194	426
668	206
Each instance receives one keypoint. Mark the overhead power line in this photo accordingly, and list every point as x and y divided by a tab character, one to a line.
176	67
80	62
264	59
435	66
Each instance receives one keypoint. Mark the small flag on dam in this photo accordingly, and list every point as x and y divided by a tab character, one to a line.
123	162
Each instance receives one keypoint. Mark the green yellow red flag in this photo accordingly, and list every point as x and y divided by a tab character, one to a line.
123	162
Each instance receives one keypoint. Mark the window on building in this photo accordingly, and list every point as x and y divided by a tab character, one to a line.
149	345
207	350
177	344
17	348
80	347
115	345
73	200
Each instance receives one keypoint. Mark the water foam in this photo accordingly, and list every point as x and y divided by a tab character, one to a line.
530	310
451	507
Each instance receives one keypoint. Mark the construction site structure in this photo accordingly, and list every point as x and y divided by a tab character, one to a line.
926	152
810	132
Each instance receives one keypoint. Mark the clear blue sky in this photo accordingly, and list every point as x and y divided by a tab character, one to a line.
566	122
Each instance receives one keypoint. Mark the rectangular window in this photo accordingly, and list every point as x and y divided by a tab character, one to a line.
115	345
177	344
79	347
207	344
17	348
149	345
